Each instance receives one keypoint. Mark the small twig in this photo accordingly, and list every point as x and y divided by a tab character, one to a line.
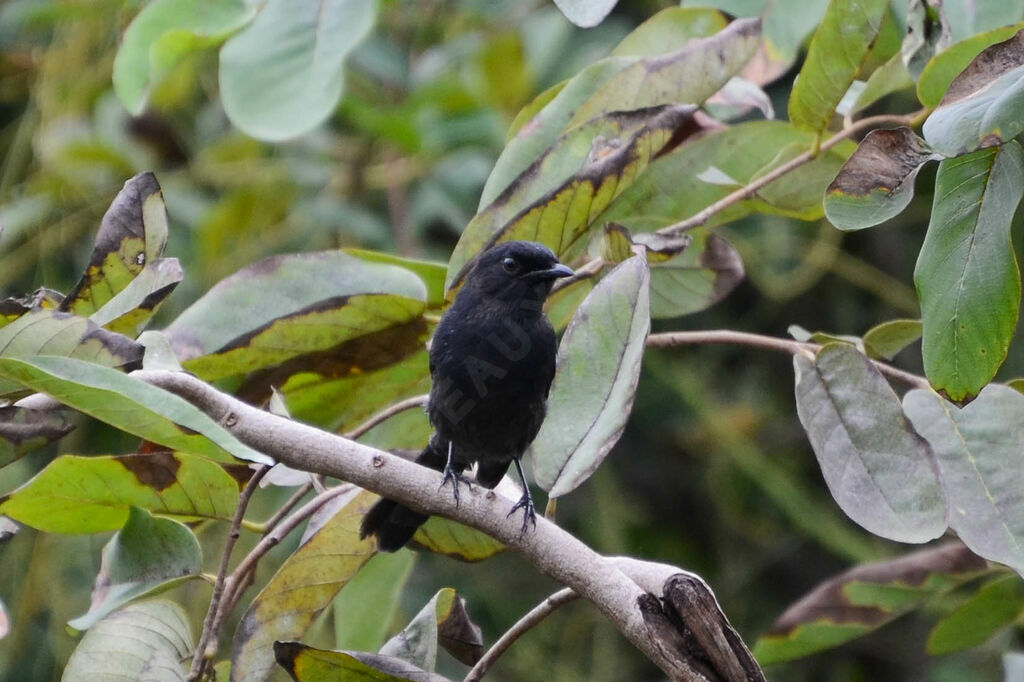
726	336
270	523
387	413
531	619
208	634
269	541
754	186
585	271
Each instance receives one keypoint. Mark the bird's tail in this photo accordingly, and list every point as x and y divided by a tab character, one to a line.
395	524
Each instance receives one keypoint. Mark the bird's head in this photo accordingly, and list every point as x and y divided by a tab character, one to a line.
516	272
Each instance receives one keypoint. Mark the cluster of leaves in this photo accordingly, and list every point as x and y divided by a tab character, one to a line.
605	167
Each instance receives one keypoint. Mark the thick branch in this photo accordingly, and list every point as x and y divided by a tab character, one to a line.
726	336
553	551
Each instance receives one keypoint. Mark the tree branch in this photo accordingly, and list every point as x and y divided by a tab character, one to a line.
754	186
554	552
209	633
726	336
531	619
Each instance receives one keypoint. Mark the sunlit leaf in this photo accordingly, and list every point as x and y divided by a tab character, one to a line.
598	368
599	169
61	334
76	494
889	338
163	34
982	466
981	106
877	181
147	640
863	599
430	272
300	305
443	621
306	664
304	586
880	472
148	554
455	540
995	606
966	274
23	430
282	75
835	57
133	233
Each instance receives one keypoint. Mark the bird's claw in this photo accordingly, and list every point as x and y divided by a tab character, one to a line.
453	476
529	514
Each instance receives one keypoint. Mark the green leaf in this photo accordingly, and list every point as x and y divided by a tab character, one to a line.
669	30
966	274
675	186
304	586
880	472
688	75
699	69
62	334
133	232
596	375
928	33
163	34
982	466
432	273
556	199
306	664
75	494
863	599
296	306
995	606
968	17
877	182
944	67
981	107
453	539
702	275
130	310
364	608
147	555
586	13
129	404
890	77
282	75
23	430
837	53
146	640
445	621
884	341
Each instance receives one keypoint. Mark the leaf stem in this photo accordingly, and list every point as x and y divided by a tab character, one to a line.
208	636
531	619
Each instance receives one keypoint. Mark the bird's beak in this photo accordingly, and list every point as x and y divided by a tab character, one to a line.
554	272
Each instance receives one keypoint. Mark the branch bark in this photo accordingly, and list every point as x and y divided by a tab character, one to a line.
553	551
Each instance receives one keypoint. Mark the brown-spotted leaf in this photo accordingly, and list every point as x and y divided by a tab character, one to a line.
306	664
133	232
23	430
287	307
76	494
982	106
13	307
562	216
445	621
303	587
131	309
877	182
49	332
863	599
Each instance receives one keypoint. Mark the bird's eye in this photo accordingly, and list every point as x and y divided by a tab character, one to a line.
511	265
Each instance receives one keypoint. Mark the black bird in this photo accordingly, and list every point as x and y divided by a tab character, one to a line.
491	361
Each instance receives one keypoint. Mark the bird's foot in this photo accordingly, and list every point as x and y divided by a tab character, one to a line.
529	514
455	477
